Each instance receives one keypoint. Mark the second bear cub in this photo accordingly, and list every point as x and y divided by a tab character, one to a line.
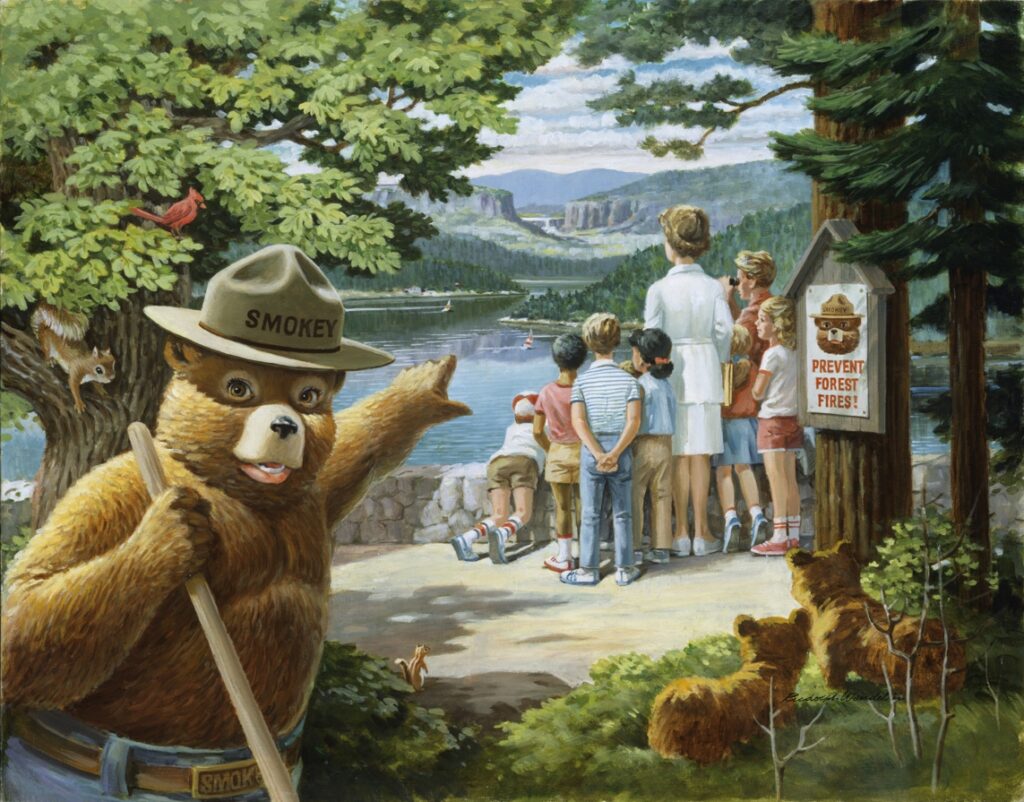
702	718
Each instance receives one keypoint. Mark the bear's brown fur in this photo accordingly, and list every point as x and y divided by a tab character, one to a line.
827	583
96	620
703	718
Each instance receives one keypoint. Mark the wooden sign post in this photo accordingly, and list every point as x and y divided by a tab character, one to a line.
840	318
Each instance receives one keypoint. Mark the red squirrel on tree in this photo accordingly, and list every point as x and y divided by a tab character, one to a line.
61	335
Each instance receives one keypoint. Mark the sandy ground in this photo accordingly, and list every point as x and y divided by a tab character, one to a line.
505	637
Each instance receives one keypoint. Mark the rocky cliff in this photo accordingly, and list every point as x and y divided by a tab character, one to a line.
584	214
484	201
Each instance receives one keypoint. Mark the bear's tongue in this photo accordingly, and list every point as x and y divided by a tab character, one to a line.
268	473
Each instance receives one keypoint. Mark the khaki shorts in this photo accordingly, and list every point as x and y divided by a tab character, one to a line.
516	470
563	463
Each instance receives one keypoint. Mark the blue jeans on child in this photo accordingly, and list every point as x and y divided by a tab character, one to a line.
593	485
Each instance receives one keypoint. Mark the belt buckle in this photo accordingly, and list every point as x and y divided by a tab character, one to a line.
225	779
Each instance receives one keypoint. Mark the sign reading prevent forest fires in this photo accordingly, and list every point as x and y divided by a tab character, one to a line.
837	355
840	313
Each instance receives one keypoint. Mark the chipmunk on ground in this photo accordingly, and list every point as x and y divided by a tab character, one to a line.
413	671
61	335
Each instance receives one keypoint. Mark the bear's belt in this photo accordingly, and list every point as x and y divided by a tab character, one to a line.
208	781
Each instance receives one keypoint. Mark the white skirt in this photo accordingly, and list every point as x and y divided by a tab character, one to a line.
698	429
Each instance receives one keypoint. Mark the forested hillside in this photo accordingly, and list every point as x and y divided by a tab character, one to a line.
783	233
428	273
515	263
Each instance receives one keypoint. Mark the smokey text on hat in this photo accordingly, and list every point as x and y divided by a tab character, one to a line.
290	325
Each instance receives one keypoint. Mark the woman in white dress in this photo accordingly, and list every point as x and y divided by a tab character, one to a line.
691	308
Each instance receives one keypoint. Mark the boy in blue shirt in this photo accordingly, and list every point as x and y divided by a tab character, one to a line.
606	415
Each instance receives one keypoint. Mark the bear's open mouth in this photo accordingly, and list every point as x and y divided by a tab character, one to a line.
268	473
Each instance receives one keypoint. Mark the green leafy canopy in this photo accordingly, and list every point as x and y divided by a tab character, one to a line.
107	106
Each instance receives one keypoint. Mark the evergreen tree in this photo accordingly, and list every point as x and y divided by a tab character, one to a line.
961	87
108	105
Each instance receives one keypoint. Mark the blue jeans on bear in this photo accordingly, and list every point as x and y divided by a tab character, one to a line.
30	776
593	485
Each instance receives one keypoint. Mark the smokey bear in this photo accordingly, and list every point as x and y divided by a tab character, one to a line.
827	583
703	718
838	326
96	622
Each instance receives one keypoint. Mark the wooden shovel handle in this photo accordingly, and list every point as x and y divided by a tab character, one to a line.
257	735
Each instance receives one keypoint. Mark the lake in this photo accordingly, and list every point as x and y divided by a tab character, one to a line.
493	367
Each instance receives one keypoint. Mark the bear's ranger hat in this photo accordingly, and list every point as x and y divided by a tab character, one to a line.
273	307
838	307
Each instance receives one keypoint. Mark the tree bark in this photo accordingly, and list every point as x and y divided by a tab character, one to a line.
77	442
969	454
863	481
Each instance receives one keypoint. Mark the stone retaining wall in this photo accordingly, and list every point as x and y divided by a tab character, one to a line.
431	503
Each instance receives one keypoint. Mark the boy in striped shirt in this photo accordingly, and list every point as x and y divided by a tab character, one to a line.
606	415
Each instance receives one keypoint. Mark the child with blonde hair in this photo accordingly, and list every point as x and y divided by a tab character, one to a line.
606	416
739	435
779	434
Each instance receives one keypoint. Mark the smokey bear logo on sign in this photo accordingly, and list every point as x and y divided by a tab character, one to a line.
838	326
837	352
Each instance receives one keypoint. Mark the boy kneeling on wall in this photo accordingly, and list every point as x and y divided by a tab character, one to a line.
512	474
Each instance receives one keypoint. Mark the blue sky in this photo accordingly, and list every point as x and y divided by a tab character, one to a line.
557	131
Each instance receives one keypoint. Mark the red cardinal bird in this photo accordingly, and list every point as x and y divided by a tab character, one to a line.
179	215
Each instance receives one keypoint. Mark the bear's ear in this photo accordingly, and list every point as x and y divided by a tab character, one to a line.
744	626
181	356
801	618
339	381
797	558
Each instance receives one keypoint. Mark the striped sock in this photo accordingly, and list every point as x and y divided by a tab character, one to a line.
565	547
477	532
780	528
510	527
794	527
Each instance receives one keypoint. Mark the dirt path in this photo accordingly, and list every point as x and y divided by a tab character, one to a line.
503	638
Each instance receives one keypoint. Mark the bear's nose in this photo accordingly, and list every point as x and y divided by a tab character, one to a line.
284	426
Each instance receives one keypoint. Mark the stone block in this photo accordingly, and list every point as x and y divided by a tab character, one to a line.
386	486
438	533
432	514
425	486
358	513
345	533
412	514
389	509
474	493
449	495
405	493
461	520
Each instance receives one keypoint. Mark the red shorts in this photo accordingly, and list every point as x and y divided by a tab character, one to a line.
779	434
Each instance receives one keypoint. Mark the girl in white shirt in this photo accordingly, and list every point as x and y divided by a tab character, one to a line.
779	434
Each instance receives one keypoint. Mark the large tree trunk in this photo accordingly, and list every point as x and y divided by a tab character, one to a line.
863	481
969	456
77	442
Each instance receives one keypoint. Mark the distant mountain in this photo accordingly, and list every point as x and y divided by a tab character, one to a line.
727	193
535	188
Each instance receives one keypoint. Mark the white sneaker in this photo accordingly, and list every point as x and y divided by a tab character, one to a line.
681	547
705	546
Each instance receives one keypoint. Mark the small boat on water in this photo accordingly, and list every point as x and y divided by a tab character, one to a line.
528	342
448	306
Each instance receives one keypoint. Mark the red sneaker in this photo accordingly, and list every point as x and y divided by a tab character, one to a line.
552	563
771	548
794	542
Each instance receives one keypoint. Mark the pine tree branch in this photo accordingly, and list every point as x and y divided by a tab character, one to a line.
741	107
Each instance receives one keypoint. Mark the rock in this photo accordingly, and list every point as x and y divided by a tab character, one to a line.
438	533
345	533
449	495
412	515
389	509
474	494
358	514
432	514
461	520
425	486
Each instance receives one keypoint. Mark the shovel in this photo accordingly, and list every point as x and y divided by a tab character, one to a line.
257	735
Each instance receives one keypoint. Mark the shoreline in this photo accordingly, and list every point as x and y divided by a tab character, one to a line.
384	295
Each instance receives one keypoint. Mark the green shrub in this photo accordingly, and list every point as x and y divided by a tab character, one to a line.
365	738
592	744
